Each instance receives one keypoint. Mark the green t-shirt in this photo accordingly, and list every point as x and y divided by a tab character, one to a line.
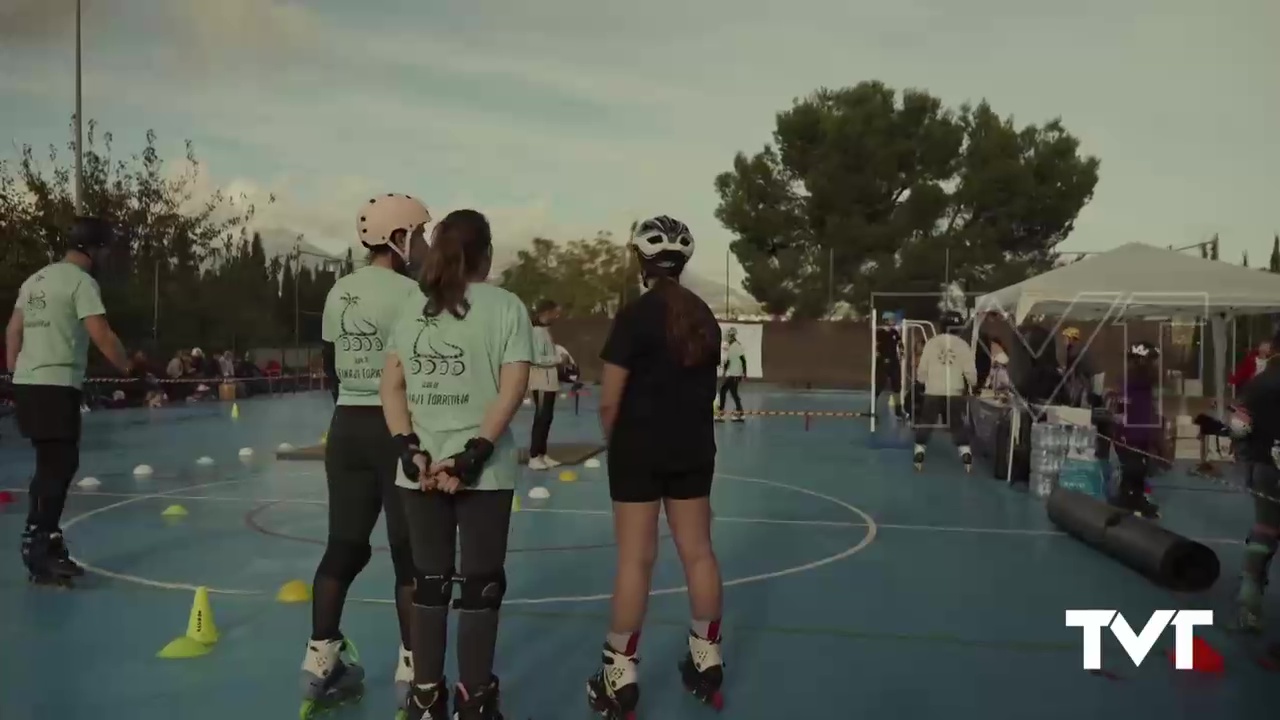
55	345
451	370
358	314
735	360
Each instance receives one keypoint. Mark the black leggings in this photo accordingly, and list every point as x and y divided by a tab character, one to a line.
49	416
481	519
544	411
933	407
730	387
360	465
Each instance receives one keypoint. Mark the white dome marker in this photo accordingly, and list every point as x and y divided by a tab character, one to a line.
89	483
591	463
246	453
539	493
143	471
284	447
205	461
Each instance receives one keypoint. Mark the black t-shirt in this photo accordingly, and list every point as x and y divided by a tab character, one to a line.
888	344
666	420
1262	399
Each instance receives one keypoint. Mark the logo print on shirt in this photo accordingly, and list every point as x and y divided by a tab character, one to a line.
36	302
428	359
356	334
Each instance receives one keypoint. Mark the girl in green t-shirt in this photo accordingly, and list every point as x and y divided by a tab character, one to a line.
456	373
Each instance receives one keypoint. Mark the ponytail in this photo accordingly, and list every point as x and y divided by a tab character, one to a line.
460	247
690	326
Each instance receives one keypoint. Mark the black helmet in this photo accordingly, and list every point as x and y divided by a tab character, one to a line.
89	234
1144	350
951	320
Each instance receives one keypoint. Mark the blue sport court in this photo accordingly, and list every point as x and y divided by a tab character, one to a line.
856	586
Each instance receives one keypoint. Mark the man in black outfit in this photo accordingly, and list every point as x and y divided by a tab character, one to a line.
889	362
1256	425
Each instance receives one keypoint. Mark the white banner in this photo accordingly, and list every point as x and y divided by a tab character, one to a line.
751	336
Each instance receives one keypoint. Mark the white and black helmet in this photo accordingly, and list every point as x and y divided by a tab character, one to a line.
1144	350
663	245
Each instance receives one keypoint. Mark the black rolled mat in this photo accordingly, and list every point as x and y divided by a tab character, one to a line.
1164	557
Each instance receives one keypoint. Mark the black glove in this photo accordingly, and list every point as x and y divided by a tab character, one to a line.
469	464
409	451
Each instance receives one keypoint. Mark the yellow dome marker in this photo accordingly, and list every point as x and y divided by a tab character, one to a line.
568	476
175	511
294	591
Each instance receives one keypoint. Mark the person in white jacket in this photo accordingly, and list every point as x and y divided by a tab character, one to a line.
949	372
544	383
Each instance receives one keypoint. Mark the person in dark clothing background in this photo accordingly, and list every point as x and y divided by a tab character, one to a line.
1137	434
1256	426
889	362
656	412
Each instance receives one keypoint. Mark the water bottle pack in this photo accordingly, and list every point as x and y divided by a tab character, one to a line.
1065	456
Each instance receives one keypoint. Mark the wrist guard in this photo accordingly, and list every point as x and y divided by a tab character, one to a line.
469	464
410	449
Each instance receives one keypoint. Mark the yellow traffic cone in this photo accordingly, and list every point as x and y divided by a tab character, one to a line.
235	411
294	591
201	635
515	503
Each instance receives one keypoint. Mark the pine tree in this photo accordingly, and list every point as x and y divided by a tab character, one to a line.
1275	255
1244	258
1213	249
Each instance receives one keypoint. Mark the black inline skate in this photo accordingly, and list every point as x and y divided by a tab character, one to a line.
46	560
917	458
426	702
702	670
477	703
614	691
966	457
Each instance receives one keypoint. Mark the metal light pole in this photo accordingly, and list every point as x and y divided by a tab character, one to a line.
79	199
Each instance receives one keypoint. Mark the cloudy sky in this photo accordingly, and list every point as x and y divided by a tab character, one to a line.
562	117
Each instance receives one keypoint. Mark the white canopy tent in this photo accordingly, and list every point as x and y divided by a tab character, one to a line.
1137	281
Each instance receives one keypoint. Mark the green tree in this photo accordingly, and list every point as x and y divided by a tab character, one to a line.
1274	266
586	277
1244	258
185	271
864	191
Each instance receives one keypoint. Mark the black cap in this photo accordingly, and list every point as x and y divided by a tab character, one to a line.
88	233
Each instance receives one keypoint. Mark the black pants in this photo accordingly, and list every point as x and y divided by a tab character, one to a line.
935	407
360	467
544	411
481	519
1264	479
49	416
730	387
888	377
1134	469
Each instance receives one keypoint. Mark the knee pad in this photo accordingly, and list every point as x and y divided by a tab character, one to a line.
433	591
343	560
402	563
1259	549
482	592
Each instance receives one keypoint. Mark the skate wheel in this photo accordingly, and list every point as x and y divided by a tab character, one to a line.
308	710
402	714
717	700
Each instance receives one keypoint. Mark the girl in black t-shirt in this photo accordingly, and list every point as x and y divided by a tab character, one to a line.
656	410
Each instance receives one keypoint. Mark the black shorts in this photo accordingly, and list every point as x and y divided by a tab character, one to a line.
48	412
888	377
639	482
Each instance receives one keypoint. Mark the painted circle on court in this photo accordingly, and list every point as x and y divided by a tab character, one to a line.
252	519
868	538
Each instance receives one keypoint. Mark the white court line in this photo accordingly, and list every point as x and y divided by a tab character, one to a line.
134	497
867	539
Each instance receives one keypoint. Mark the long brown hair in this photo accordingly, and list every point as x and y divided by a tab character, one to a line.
691	328
460	246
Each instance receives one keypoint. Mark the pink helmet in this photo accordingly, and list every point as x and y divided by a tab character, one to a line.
383	215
